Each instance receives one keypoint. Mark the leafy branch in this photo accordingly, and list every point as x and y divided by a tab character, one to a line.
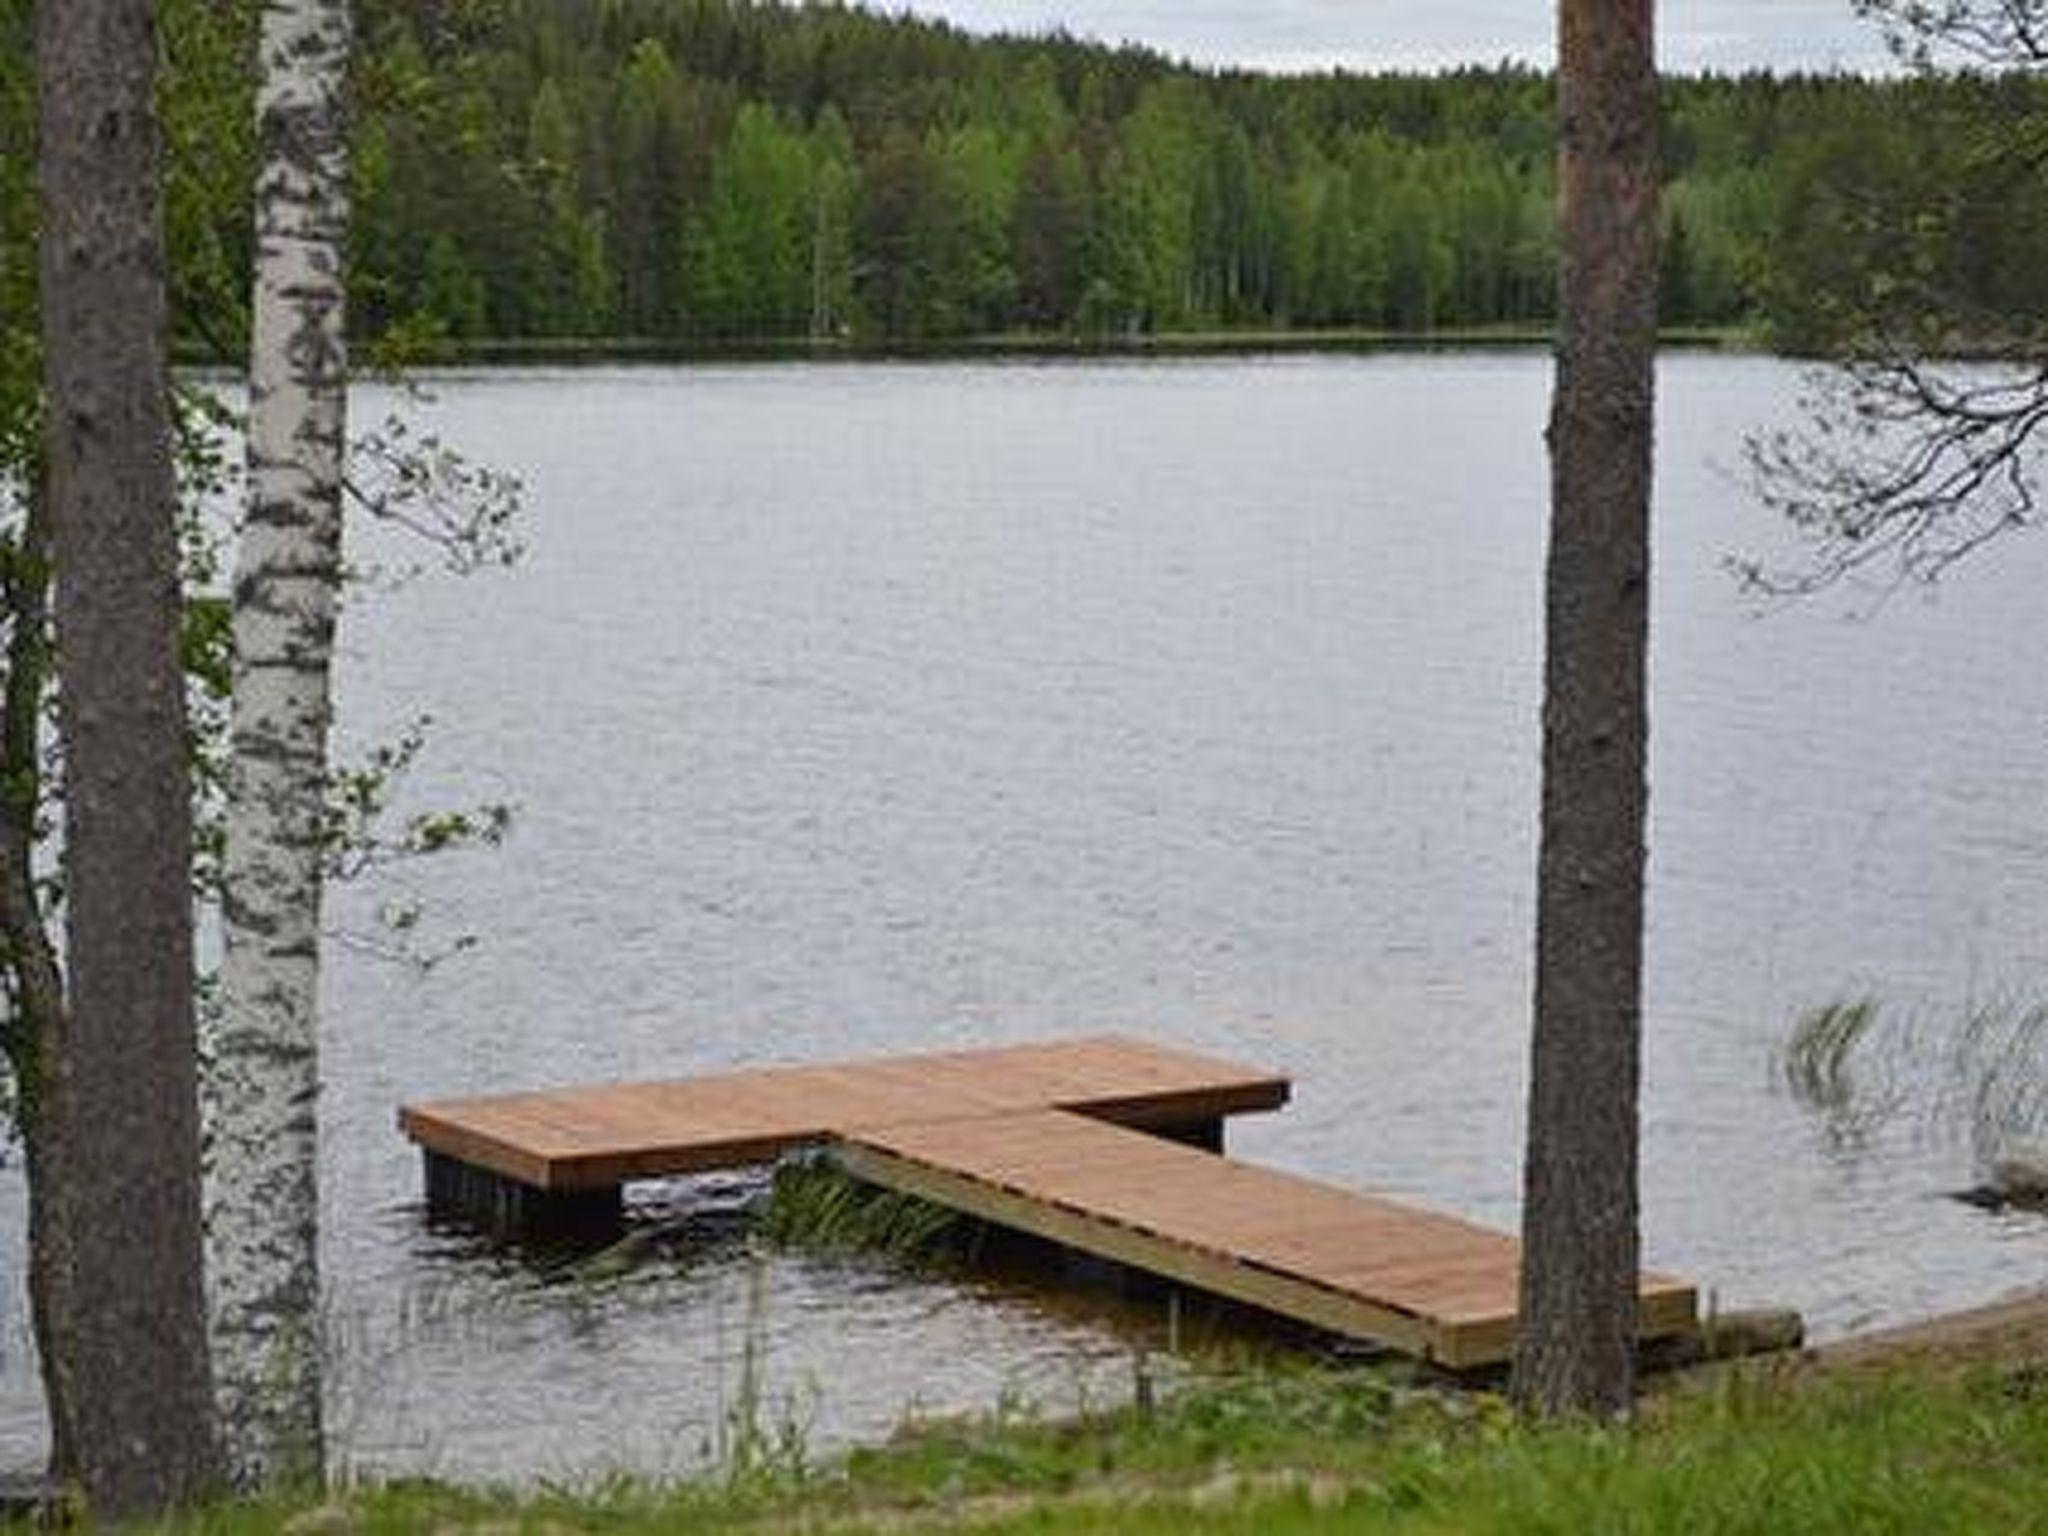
359	800
465	511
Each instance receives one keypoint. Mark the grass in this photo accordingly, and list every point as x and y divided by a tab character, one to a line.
1980	1076
1317	1451
1816	1058
1998	1078
813	1204
1829	1066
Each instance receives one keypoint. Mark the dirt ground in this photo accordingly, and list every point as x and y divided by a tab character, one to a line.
2010	1333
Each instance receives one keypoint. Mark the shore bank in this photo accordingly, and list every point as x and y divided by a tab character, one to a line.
1929	1427
450	352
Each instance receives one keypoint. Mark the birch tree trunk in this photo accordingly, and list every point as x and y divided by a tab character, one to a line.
264	1213
115	1133
35	1030
1575	1350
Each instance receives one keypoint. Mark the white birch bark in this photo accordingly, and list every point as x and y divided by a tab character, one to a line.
263	1216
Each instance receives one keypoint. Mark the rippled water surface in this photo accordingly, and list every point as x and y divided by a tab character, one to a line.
859	708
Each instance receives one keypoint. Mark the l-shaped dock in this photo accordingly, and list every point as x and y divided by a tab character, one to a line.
1107	1145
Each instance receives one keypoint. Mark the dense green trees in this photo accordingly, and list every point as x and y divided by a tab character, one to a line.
687	170
770	253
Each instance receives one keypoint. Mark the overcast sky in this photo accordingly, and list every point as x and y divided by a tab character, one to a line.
1424	34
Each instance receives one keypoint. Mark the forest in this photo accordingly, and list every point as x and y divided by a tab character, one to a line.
698	171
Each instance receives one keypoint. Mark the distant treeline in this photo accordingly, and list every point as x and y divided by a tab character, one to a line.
715	169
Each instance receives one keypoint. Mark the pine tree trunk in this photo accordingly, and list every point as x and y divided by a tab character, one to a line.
117	1157
264	1198
1575	1351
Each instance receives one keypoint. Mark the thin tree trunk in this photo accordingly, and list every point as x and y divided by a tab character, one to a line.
265	1192
36	983
118	1155
1576	1347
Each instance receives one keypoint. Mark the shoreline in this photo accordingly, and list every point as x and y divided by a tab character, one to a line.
1012	346
2011	1333
1305	1444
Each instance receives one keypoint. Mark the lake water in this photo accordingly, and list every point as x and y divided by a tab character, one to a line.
860	708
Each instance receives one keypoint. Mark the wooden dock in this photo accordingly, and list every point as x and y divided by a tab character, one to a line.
1107	1145
1352	1264
593	1138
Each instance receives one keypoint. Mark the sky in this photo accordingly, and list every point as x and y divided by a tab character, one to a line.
1427	34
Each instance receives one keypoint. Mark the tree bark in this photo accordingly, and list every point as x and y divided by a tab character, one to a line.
264	1203
118	1159
35	980
1575	1351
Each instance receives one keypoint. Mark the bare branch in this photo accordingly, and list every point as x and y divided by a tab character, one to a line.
406	952
2006	33
1903	465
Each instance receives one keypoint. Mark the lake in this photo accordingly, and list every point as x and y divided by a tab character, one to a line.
865	707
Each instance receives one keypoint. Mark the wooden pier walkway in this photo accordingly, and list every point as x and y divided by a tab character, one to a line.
1352	1264
596	1138
1107	1145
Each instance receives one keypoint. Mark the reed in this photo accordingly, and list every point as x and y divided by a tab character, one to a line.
1979	1077
813	1204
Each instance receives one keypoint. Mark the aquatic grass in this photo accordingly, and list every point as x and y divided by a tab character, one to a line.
754	1448
814	1204
1815	1063
1828	1066
1997	1080
1981	1076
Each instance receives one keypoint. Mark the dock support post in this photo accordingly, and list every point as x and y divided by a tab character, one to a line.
506	1208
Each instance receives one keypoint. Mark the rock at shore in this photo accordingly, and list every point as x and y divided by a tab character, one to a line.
2018	1180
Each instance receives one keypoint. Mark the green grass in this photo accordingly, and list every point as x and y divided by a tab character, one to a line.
814	1205
1979	1076
1313	1451
1829	1066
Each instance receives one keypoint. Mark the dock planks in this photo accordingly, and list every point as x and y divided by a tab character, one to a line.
608	1134
1367	1268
